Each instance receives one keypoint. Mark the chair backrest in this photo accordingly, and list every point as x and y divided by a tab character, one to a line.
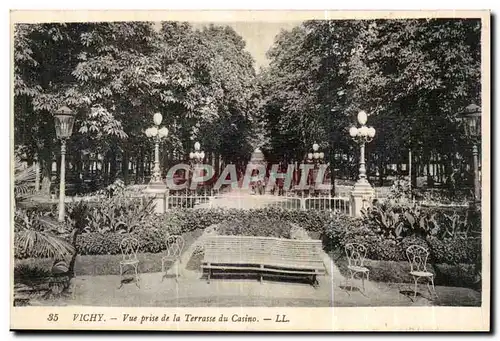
175	245
356	254
417	256
129	247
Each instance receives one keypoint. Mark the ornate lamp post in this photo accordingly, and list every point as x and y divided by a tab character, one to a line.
64	120
315	158
157	134
471	117
196	158
363	191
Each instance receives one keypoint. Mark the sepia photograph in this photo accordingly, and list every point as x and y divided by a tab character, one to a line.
307	162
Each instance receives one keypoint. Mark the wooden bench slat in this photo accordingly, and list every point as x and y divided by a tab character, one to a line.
264	254
256	268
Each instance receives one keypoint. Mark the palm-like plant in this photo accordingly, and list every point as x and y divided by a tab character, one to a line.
24	179
34	232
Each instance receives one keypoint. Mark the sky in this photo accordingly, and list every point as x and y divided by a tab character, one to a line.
259	36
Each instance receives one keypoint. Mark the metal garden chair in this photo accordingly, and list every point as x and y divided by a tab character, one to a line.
175	245
417	256
356	254
129	247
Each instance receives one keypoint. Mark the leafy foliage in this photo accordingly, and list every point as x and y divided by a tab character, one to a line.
411	76
34	232
119	214
33	236
255	227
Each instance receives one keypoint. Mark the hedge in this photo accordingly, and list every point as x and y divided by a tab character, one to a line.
265	222
94	243
342	230
192	219
336	231
256	227
457	275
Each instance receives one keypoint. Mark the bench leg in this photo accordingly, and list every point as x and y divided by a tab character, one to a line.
208	275
262	268
315	282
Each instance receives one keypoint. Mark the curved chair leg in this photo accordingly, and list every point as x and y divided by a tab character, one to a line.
353	278
433	288
163	273
136	266
363	281
121	276
415	291
177	271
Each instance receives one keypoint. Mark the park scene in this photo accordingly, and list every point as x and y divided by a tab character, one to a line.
323	163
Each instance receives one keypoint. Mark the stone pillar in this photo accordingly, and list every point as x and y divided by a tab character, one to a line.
362	196
159	193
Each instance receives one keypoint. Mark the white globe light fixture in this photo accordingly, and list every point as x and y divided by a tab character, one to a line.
362	118
163	132
315	147
157	118
197	146
371	132
353	131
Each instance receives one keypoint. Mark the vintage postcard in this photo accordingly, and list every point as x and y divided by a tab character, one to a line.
250	170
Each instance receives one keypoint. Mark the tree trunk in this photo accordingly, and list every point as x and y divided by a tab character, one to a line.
332	172
46	171
113	168
137	168
141	167
71	266
217	163
381	170
125	163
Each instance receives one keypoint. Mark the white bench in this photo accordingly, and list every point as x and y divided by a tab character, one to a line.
264	255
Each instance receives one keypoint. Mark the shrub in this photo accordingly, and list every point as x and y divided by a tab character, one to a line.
256	227
95	243
26	274
455	251
191	219
457	275
119	213
342	230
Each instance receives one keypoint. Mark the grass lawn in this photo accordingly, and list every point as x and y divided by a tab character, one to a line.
96	265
